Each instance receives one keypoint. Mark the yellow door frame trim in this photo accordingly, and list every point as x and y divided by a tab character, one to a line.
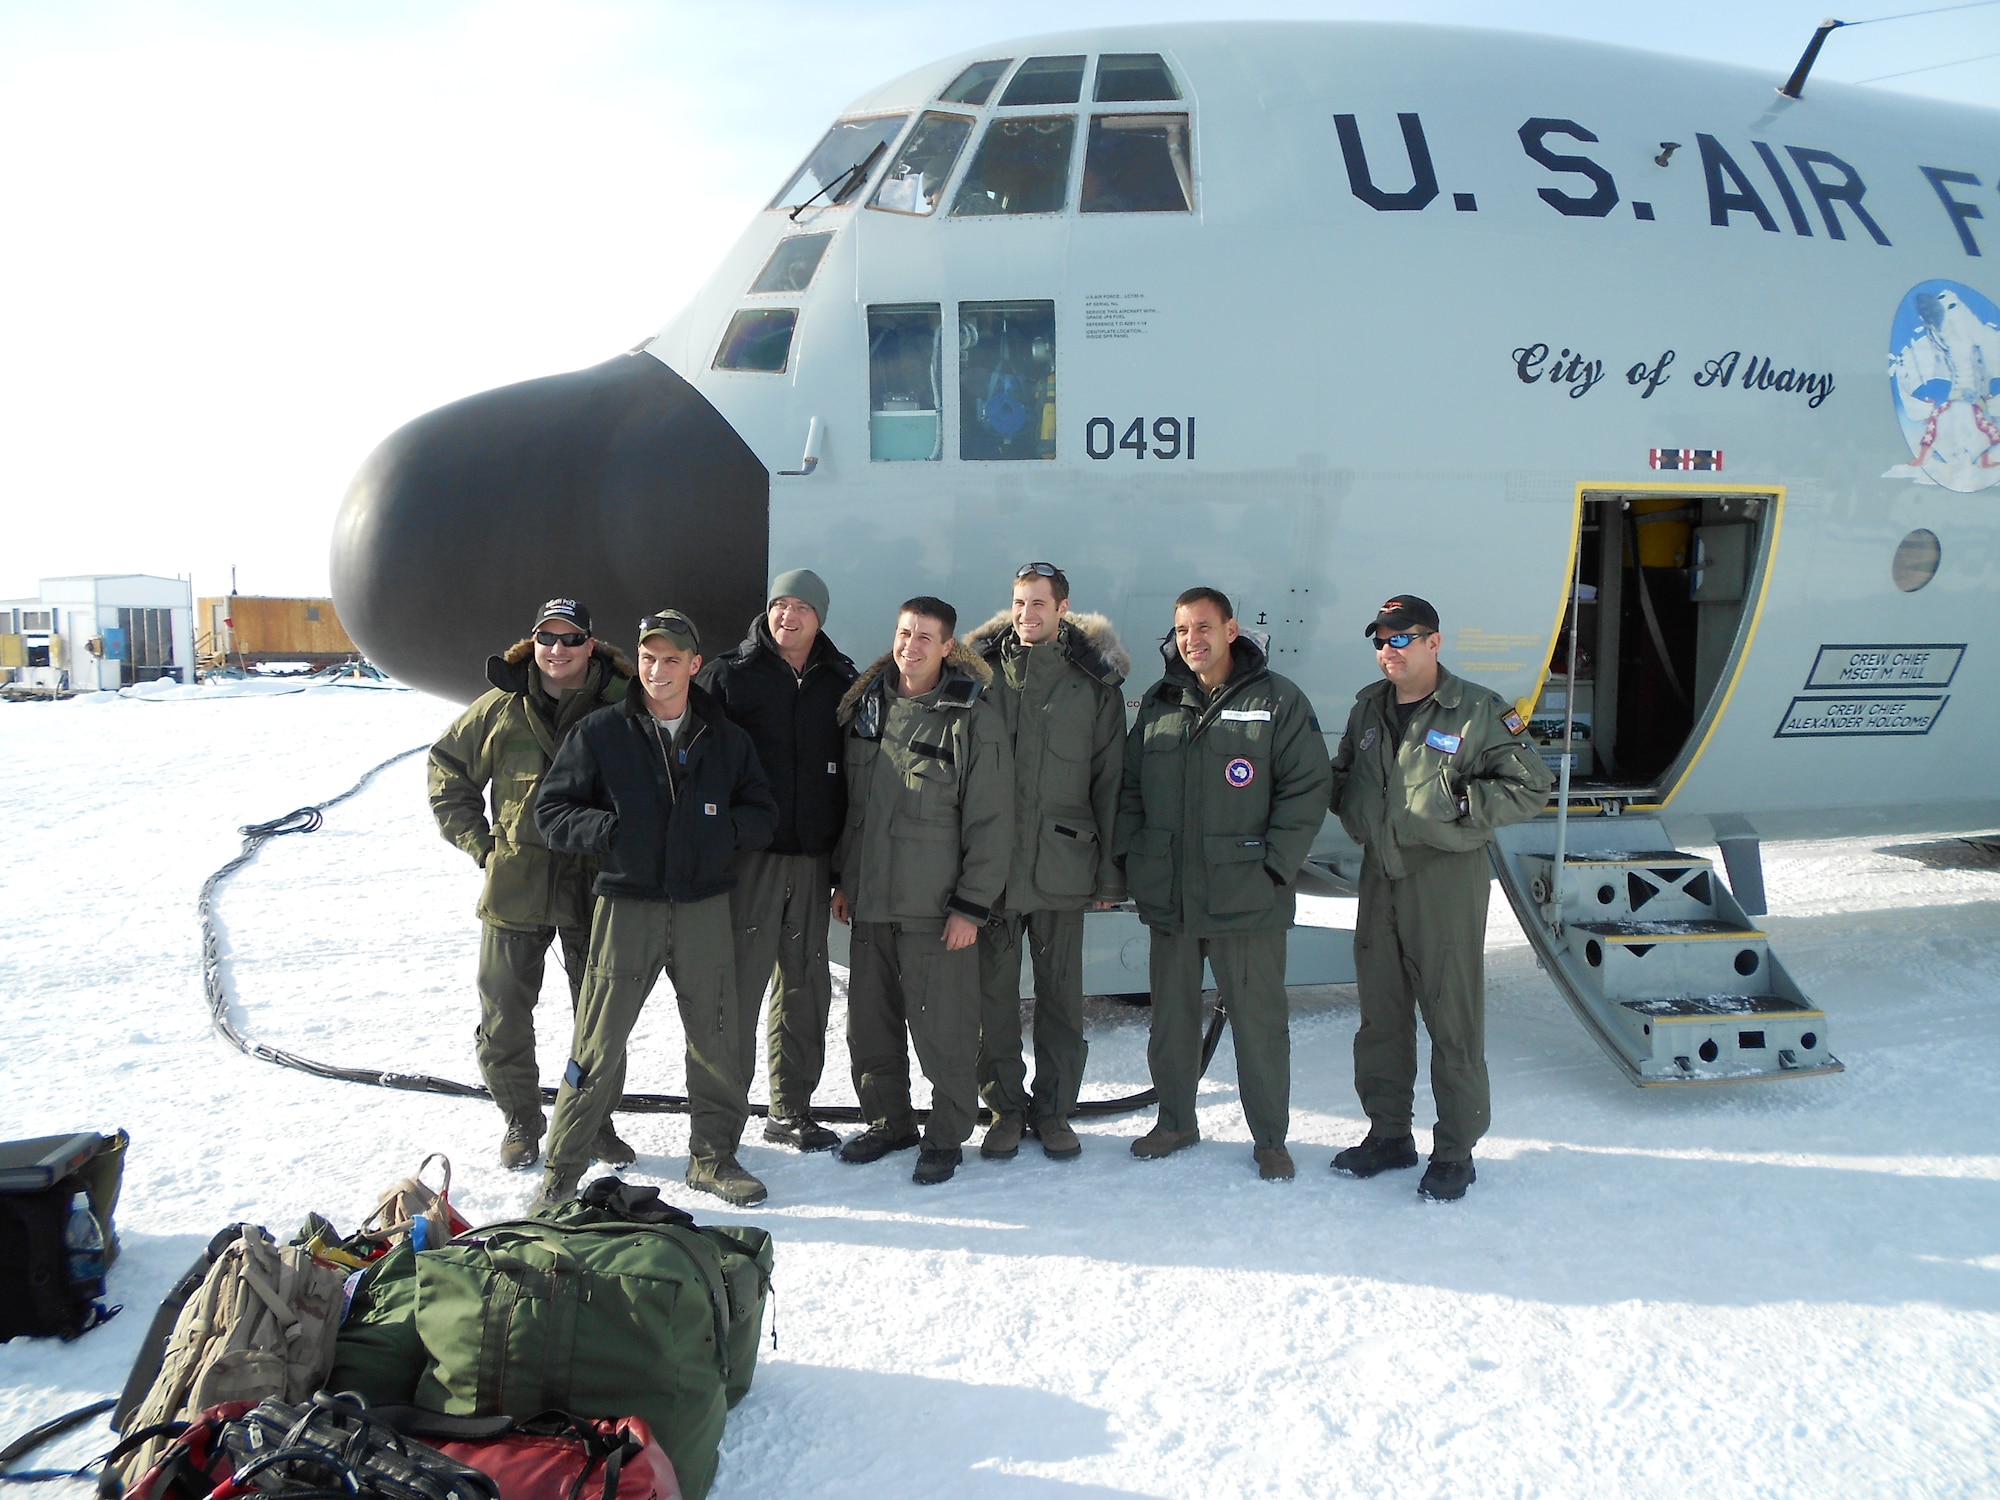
1587	489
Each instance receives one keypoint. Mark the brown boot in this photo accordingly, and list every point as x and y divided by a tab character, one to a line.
1274	1163
1059	1142
1160	1141
1003	1138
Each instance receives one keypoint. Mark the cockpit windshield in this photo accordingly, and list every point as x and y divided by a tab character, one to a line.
832	173
976	82
915	181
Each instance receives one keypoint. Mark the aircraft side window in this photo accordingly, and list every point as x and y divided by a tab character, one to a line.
975	84
832	174
1021	167
1006	380
1046	80
759	339
905	382
1128	77
915	182
792	264
1137	164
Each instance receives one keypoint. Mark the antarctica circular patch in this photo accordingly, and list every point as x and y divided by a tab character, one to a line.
1239	772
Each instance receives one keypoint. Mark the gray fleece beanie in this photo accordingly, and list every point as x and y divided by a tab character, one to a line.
800	583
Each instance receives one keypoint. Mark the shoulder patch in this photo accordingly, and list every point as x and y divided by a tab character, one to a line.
1514	722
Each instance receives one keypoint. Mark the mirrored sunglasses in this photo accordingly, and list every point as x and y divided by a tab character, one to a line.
1401	640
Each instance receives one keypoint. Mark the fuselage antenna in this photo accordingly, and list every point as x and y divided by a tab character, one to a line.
1793	86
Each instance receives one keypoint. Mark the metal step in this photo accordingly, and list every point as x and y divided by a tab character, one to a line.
1656	957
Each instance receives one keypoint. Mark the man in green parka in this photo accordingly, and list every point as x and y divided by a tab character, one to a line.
484	773
1429	766
1056	679
1224	791
918	871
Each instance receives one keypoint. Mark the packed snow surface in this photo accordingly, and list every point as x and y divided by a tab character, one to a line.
1773	1289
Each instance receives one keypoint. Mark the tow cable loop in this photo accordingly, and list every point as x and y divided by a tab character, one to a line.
215	983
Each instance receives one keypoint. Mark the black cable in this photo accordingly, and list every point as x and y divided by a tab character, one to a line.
309	820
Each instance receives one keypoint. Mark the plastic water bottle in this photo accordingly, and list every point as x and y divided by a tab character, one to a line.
83	1239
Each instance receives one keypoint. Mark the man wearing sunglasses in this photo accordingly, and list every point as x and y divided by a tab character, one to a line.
1056	679
484	773
1429	766
666	792
783	685
1223	793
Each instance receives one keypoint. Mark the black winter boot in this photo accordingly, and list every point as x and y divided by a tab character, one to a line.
1446	1181
1377	1154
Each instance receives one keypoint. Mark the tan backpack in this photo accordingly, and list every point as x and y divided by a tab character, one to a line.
263	1324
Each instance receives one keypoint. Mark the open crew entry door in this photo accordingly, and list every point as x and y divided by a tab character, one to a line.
1658	958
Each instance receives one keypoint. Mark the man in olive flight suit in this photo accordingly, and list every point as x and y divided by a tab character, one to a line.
666	792
1056	679
1429	766
499	749
919	869
783	685
1224	791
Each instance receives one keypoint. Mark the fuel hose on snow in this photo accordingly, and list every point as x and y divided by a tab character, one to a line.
215	982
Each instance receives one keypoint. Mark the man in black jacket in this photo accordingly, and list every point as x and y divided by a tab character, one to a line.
665	791
782	686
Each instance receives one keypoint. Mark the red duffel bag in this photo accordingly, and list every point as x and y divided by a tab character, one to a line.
555	1456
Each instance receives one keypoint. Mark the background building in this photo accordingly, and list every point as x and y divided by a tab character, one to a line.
250	630
99	633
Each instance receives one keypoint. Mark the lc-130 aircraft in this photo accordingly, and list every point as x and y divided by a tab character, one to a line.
1315	313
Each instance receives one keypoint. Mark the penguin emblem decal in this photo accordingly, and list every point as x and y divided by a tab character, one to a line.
1239	772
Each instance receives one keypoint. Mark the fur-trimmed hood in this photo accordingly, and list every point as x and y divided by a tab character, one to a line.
966	676
511	671
1089	640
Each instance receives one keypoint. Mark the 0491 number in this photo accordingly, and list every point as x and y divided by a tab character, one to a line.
1172	437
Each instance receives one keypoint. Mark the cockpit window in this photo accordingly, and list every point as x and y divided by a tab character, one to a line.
759	339
1021	167
1127	77
792	264
1137	164
1046	80
915	181
976	82
835	170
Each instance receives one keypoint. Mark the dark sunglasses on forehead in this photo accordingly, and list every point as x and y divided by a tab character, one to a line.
1038	570
1402	639
673	622
570	638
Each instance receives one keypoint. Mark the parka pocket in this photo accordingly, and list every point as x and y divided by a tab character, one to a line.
1237	879
1149	869
1066	856
923	865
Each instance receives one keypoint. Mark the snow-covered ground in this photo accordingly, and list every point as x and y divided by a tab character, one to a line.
1780	1289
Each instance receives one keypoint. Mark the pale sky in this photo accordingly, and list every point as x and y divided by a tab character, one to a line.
243	242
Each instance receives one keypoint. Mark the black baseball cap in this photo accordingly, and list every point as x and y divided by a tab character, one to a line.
563	609
1400	613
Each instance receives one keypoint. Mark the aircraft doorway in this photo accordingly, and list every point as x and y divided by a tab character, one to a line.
1667	584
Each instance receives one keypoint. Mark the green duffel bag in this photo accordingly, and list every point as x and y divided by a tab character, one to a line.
378	1353
590	1313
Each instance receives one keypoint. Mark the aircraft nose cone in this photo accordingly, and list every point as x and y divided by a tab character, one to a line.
618	485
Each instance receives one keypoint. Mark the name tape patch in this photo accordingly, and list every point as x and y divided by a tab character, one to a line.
1247	715
1239	772
1444	744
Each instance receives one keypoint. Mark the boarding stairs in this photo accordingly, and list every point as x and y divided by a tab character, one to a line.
1657	957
